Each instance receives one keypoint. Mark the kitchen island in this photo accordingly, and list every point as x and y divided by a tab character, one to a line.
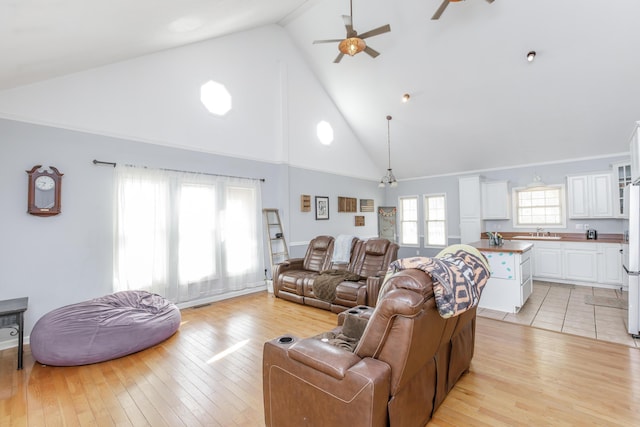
511	280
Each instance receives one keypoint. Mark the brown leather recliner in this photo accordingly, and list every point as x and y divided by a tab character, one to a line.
290	276
406	361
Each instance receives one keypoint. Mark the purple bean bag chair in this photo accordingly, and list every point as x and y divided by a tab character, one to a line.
103	328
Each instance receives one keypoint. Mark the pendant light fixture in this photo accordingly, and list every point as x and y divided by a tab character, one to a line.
389	178
536	183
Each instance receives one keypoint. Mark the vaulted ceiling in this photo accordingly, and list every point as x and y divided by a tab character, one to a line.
475	101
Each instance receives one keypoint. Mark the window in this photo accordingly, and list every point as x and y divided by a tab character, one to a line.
324	132
215	97
435	220
539	206
186	236
409	221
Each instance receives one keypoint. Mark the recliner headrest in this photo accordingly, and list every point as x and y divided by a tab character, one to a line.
377	246
411	279
321	242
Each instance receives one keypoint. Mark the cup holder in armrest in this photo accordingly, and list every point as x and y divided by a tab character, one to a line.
285	340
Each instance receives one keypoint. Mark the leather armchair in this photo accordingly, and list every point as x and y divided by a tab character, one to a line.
290	276
406	361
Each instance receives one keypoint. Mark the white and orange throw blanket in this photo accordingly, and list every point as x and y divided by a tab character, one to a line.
459	274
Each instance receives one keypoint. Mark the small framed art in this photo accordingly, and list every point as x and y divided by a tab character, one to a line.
322	207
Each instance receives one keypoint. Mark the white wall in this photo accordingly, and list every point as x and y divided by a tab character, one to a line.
136	112
67	258
552	173
277	103
303	226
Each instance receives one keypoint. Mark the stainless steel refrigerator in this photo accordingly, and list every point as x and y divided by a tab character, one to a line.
631	256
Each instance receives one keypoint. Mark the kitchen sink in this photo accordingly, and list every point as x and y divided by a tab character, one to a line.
526	237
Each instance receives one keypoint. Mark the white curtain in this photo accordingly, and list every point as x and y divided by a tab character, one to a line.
186	236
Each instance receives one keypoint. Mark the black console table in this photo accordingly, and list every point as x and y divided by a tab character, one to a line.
12	316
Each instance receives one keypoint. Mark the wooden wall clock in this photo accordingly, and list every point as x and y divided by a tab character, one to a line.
44	191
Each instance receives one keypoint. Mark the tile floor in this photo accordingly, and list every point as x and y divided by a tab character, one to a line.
562	308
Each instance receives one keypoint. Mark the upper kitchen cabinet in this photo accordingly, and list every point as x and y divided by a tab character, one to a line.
469	188
469	198
634	148
621	178
495	200
589	196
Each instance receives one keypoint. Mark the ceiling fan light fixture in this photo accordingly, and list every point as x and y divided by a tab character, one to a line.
352	45
531	55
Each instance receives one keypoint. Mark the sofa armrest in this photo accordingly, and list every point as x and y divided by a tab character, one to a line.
323	357
290	264
374	283
295	393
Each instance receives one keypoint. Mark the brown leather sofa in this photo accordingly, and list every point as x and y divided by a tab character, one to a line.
405	363
294	280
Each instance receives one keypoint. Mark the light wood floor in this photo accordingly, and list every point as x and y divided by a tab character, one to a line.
209	373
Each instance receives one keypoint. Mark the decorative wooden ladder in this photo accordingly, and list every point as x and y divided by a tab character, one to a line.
278	251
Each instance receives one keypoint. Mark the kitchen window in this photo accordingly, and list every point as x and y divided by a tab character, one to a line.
539	206
435	220
409	220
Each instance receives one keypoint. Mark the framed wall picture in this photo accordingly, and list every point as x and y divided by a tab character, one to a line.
387	222
305	203
366	205
347	204
322	207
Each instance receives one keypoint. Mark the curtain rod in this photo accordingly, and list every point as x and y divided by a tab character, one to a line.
100	162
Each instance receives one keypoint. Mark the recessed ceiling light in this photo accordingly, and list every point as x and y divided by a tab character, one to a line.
531	55
406	97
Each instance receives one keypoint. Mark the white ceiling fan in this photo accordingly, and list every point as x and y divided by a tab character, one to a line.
444	5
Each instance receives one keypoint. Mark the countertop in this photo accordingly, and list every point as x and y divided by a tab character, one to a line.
564	237
507	246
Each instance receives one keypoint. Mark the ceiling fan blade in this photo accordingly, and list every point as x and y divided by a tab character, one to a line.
441	9
348	24
338	58
376	31
372	53
327	41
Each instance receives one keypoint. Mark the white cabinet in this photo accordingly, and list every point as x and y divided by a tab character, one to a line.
510	284
495	200
469	188
469	197
610	263
580	262
634	148
589	196
548	260
621	178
